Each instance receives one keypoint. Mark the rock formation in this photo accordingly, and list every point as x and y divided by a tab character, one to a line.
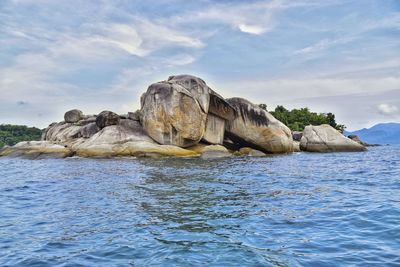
181	116
324	138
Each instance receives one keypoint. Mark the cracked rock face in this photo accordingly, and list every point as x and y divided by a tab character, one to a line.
174	112
324	138
258	129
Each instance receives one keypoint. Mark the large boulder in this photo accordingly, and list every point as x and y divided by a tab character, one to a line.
183	110
107	118
324	138
173	114
73	116
256	128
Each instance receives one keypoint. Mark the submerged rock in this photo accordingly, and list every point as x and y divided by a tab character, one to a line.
255	127
73	115
248	151
214	151
324	138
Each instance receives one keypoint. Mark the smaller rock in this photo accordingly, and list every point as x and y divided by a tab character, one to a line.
107	118
248	151
297	135
73	116
256	153
325	138
215	151
89	130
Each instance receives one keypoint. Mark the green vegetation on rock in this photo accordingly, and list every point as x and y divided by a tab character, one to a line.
297	119
12	134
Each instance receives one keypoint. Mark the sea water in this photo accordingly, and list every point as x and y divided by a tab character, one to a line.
302	209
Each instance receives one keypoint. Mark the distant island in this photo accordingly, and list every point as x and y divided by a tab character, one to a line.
382	133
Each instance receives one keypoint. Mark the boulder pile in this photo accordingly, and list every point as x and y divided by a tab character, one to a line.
181	116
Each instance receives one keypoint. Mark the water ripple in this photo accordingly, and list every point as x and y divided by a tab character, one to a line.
291	210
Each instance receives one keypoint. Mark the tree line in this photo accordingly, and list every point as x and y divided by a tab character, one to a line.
297	119
12	134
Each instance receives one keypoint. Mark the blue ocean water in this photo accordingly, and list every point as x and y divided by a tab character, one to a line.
304	209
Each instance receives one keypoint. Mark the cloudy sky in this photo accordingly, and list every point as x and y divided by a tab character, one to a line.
332	55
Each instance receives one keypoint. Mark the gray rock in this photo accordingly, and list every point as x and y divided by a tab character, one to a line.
297	135
324	138
61	132
73	116
89	130
87	120
256	128
107	118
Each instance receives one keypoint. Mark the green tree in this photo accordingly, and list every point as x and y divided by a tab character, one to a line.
12	134
297	119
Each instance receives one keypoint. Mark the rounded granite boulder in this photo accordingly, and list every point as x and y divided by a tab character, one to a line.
73	116
107	118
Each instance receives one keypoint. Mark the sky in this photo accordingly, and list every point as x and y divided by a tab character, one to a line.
340	56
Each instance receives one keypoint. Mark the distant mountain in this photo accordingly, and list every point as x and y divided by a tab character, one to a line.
382	133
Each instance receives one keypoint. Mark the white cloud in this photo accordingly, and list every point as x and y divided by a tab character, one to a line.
387	109
252	29
325	44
